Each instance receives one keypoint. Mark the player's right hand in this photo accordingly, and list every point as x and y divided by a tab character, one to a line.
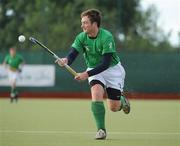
62	61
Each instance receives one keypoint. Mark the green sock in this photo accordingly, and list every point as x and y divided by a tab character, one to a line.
98	111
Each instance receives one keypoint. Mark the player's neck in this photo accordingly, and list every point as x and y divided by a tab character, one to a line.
13	55
94	33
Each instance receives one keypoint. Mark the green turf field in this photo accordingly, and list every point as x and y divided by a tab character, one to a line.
69	123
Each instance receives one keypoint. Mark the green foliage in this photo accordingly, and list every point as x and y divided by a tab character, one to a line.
57	22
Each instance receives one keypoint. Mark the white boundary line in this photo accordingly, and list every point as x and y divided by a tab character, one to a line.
87	132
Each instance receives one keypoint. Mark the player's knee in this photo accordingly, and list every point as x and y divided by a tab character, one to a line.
97	91
114	106
114	109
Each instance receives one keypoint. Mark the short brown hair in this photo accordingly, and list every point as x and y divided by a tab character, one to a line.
94	16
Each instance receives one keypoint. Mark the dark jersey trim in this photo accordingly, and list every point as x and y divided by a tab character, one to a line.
106	61
73	53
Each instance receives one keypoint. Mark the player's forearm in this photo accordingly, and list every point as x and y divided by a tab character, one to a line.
72	55
5	64
21	66
103	66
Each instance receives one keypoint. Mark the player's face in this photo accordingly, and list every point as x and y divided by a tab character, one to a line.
86	25
12	52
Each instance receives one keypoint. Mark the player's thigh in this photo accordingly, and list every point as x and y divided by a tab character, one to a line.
13	77
97	92
114	77
97	84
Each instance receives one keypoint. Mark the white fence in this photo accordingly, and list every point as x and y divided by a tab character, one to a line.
31	76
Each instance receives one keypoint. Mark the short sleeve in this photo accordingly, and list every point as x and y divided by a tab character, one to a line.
6	59
77	44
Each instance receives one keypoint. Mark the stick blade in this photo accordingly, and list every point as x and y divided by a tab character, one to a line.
32	39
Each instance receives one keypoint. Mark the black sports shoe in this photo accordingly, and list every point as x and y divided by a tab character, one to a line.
101	134
125	104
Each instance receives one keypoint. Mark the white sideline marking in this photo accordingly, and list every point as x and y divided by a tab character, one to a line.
87	132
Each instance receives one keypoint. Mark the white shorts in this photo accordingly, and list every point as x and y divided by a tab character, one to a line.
13	75
113	77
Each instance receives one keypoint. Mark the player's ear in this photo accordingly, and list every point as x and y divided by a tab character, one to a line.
94	24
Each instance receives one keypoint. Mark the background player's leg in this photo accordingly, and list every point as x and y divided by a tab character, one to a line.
15	91
12	90
13	77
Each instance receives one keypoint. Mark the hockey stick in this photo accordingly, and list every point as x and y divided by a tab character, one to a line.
72	71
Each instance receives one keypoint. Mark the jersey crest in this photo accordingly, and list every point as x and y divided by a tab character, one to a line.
87	48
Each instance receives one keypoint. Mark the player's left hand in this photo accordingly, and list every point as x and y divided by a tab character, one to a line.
82	76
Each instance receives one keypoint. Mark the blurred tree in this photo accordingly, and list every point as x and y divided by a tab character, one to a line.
56	23
145	34
10	21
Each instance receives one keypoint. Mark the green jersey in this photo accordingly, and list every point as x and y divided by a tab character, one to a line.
14	62
94	48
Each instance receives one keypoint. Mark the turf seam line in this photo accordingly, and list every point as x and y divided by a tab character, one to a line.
87	132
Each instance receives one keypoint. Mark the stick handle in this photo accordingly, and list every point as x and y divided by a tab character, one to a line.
72	71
